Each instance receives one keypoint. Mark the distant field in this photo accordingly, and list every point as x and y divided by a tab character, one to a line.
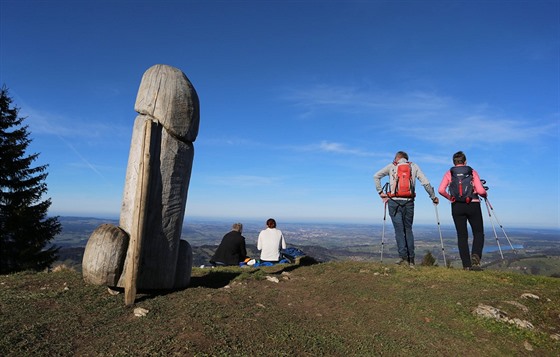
357	242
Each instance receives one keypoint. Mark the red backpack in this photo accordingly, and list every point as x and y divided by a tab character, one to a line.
403	181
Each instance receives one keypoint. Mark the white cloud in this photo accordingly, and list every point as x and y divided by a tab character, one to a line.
332	147
73	133
353	100
245	180
482	129
42	123
422	115
225	141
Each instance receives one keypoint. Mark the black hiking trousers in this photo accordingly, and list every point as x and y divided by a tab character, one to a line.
462	213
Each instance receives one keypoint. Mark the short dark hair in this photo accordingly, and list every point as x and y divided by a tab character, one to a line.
459	158
271	223
401	154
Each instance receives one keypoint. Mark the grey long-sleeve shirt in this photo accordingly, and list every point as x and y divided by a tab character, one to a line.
391	171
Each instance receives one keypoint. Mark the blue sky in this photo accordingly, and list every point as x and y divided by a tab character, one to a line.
301	101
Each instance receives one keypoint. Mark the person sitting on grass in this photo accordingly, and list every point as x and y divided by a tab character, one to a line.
231	250
270	242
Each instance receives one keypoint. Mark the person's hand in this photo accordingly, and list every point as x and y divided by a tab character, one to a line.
435	200
384	197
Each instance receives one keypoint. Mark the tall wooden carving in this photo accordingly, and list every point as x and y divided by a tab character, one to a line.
155	192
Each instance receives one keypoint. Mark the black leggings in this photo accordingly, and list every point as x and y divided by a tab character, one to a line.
471	212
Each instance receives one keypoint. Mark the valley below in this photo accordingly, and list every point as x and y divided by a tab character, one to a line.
525	250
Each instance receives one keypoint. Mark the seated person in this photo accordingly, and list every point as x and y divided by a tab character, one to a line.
231	250
270	242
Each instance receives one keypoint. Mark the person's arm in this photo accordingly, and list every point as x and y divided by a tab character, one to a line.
259	244
283	241
478	187
442	190
243	249
426	183
379	175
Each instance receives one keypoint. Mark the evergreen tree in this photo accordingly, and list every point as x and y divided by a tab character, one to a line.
429	259
25	229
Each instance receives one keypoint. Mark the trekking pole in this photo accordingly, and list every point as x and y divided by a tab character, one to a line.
494	229
440	236
383	231
500	224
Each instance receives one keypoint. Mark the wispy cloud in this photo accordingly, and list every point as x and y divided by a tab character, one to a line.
483	129
333	148
71	132
426	116
245	180
84	160
355	100
42	123
225	141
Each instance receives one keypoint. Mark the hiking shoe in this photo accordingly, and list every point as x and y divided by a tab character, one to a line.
412	265
401	261
475	259
466	268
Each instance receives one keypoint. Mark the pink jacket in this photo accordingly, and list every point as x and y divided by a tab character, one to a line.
478	188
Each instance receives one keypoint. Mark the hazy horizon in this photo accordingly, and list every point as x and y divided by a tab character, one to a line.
261	222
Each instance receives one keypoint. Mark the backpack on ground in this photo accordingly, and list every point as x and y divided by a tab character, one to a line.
404	186
292	254
461	187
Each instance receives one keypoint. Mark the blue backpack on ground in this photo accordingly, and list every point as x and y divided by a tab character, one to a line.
292	254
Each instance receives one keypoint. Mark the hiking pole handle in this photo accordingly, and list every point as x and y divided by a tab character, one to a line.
385	210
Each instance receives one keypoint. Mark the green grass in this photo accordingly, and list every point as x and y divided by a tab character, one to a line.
335	309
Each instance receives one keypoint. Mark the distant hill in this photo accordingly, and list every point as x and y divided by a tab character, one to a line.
344	308
538	250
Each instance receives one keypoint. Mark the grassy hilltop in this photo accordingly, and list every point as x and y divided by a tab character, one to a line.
330	309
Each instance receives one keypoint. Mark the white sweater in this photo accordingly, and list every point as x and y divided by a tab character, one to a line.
269	243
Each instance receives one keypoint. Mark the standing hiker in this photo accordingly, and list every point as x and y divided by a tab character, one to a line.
231	250
400	199
461	185
270	242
